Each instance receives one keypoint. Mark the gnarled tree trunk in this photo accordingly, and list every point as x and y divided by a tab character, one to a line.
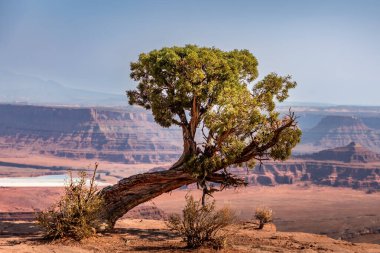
132	191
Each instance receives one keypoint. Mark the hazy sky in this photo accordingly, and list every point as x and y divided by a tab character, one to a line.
331	48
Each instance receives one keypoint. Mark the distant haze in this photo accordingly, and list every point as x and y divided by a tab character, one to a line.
331	48
16	88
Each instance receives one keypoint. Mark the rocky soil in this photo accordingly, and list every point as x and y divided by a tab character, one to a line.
153	236
336	212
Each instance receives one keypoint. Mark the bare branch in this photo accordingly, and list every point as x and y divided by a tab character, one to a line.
226	180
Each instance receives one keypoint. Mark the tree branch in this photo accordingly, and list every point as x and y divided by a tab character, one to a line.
252	151
226	180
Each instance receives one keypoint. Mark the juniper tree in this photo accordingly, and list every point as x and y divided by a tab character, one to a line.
226	118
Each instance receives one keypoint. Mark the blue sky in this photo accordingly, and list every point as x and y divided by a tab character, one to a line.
330	47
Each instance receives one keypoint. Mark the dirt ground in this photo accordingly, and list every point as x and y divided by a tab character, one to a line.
336	212
153	236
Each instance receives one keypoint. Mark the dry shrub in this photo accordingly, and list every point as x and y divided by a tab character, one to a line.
264	215
74	215
370	190
201	225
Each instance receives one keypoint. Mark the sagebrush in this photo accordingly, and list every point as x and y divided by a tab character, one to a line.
74	215
264	215
201	225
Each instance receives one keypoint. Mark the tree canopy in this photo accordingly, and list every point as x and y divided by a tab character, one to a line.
210	93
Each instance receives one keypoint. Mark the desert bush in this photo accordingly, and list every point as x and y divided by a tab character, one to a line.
263	215
74	215
201	225
370	190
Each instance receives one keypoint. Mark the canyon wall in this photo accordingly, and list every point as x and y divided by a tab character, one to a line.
317	172
130	135
338	130
126	135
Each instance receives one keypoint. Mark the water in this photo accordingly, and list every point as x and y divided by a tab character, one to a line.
41	181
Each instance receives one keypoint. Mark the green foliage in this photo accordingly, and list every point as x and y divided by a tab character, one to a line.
264	215
169	78
201	225
200	88
74	215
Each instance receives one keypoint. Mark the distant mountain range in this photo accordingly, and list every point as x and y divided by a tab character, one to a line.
16	88
26	89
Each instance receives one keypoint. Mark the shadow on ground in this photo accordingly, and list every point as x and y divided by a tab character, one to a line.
9	229
149	234
26	232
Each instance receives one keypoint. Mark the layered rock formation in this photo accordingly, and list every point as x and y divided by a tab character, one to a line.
130	135
349	166
352	153
335	131
125	135
321	173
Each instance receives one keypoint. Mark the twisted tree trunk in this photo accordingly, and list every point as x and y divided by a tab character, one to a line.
132	191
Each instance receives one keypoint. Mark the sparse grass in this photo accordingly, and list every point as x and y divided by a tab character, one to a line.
74	215
201	225
264	215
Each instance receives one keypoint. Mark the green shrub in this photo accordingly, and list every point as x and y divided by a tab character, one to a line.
264	215
201	225
74	215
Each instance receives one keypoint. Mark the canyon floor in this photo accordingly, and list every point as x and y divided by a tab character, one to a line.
153	236
336	212
339	213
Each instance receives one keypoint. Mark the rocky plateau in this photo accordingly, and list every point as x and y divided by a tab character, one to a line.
129	135
109	134
350	166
